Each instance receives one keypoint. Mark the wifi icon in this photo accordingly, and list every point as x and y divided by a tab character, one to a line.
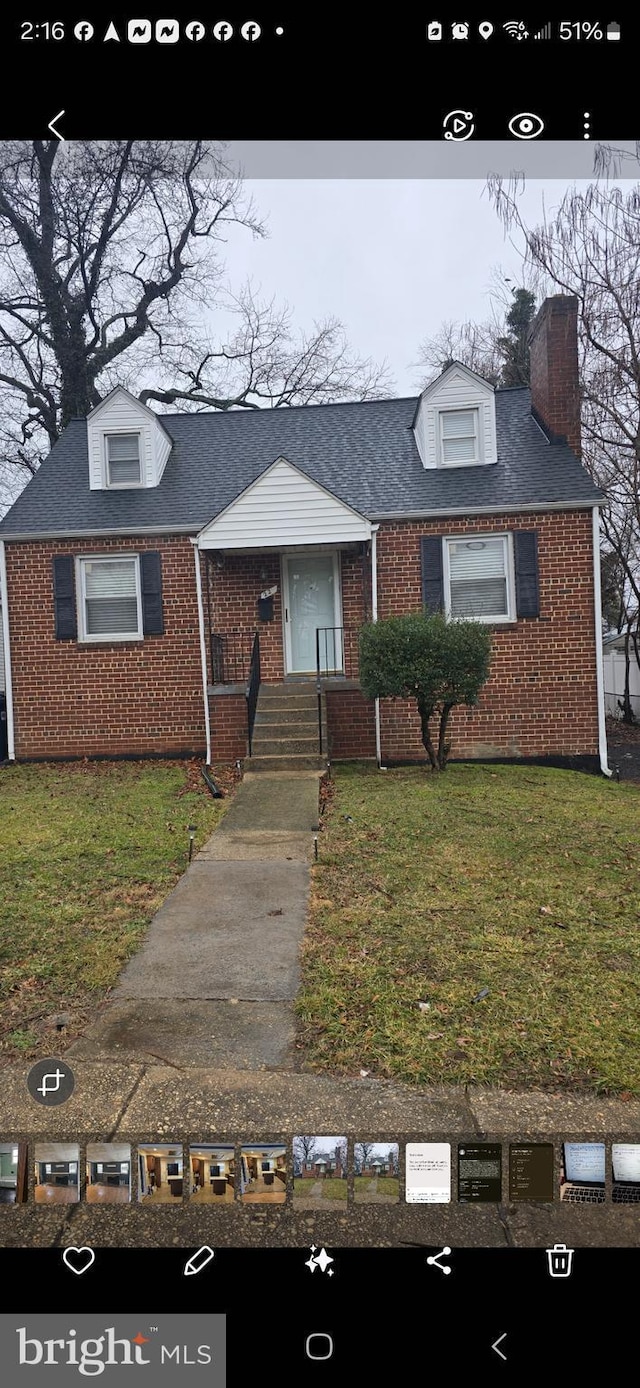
516	29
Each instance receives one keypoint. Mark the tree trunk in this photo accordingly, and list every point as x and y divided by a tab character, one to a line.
628	715
427	741
444	747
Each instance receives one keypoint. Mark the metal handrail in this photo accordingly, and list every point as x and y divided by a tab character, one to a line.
253	688
230	656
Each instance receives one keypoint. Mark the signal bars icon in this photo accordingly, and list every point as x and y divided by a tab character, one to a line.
544	32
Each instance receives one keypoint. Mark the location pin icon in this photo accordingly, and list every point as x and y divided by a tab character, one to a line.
485	29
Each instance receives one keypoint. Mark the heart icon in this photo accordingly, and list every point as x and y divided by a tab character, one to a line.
78	1259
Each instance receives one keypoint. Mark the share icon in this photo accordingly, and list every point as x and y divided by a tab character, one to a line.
434	1261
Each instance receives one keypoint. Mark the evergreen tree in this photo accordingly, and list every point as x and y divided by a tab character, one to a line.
513	347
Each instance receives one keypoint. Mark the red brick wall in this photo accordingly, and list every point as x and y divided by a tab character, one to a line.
350	724
228	727
540	698
555	390
113	699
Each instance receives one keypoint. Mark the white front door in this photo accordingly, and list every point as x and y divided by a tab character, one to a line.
312	601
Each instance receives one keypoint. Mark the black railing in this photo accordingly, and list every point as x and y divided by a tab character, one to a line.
253	687
231	656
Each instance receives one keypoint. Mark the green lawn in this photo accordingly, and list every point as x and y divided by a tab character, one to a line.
333	1188
522	880
88	851
387	1186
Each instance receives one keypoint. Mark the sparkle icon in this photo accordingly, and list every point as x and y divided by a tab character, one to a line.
319	1260
140	1339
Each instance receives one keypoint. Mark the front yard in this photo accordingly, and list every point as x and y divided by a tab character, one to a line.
88	851
519	880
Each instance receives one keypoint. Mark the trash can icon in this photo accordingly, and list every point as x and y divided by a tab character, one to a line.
560	1260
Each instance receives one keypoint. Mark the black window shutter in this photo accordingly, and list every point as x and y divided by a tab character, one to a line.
151	576
432	576
64	598
525	546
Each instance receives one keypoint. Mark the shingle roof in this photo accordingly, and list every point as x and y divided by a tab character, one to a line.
363	452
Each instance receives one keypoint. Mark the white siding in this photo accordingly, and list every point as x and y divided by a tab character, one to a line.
283	507
2	682
120	412
457	389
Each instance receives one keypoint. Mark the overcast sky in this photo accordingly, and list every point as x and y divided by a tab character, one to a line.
391	259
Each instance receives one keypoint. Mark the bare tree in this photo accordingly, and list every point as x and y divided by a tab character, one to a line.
110	271
590	248
304	1148
362	1152
472	344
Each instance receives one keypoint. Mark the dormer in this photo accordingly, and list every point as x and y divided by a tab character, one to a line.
127	444
455	422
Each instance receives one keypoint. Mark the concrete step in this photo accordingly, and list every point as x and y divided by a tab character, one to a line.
299	762
287	717
284	746
306	699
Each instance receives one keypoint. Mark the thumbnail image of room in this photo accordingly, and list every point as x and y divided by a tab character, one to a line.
213	1174
57	1173
14	1178
625	1162
108	1173
319	1172
377	1173
582	1173
263	1174
160	1173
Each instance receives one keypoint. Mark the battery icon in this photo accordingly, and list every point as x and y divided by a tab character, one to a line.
613	32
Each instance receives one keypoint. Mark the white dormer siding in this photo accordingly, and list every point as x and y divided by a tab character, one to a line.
459	404
284	507
120	414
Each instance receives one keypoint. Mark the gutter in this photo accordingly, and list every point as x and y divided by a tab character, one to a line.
374	617
203	648
4	598
597	603
510	509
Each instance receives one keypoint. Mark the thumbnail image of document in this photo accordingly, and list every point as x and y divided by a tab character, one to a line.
428	1173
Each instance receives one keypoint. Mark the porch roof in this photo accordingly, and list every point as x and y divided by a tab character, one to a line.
284	509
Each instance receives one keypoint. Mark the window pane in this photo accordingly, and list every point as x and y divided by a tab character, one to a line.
468	558
123	446
111	600
458	450
483	598
124	471
456	422
477	571
110	578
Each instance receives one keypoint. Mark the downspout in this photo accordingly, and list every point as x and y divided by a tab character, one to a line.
203	647
597	602
4	598
374	618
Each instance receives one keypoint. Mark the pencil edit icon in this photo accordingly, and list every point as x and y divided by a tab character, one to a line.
198	1261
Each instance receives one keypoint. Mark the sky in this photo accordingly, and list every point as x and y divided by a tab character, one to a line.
391	258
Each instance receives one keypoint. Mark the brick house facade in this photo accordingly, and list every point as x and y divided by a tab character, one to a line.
292	523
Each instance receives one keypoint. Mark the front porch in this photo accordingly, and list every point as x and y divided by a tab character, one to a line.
282	685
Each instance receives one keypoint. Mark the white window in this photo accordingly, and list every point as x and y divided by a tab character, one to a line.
123	460
111	603
459	436
479	579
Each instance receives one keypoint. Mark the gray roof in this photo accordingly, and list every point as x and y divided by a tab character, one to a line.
363	452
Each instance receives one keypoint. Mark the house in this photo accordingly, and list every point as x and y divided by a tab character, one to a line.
195	583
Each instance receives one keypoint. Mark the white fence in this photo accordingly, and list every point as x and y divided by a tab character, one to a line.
614	670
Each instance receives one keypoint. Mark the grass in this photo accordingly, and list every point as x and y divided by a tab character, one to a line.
389	1186
522	880
332	1188
88	851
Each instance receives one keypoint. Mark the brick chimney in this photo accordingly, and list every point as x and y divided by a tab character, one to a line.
555	391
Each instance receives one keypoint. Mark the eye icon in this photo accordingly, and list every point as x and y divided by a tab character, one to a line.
526	125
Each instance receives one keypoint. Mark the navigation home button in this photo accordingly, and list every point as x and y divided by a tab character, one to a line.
319	1345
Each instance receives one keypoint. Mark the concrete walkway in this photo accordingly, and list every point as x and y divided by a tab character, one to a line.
215	978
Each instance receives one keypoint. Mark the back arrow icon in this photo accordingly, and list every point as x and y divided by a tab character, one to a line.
499	1342
52	126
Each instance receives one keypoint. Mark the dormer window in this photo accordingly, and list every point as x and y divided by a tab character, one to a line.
123	460
459	436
